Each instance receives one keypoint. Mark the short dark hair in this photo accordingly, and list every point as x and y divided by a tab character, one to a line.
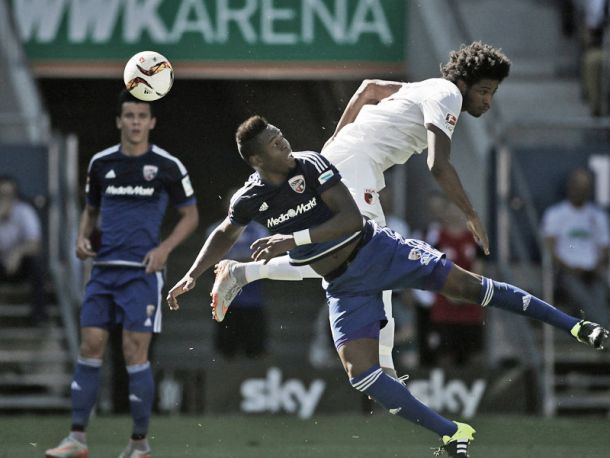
11	180
246	133
125	96
474	62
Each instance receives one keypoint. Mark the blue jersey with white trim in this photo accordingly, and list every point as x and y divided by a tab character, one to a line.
132	193
293	205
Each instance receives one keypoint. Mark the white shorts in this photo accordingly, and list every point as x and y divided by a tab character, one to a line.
363	178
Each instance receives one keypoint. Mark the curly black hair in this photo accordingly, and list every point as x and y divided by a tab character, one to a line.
474	62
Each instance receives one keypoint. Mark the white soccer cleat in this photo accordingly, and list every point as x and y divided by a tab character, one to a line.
68	448
132	452
224	290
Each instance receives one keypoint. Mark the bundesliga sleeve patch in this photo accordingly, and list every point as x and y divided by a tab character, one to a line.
187	186
326	176
450	121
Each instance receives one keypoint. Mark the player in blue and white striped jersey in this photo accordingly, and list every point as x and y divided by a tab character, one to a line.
129	187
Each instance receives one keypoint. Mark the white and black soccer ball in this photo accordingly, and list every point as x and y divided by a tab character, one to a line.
148	75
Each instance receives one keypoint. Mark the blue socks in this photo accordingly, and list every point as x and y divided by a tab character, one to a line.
513	299
85	386
141	396
395	397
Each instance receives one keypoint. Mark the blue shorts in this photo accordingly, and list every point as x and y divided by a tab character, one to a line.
123	295
386	262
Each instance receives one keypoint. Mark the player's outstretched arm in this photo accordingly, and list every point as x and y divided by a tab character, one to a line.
439	149
370	92
214	248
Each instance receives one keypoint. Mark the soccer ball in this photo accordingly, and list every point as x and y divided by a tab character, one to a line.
148	75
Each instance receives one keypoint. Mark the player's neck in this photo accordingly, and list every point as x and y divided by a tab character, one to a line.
134	150
275	179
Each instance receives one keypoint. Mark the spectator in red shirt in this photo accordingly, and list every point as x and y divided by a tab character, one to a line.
456	334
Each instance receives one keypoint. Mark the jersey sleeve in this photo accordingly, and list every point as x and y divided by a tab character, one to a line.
442	109
239	212
30	223
93	192
319	172
550	222
179	185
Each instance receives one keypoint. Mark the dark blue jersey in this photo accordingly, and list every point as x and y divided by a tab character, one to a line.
132	194
292	206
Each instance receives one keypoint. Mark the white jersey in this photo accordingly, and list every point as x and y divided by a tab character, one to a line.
390	133
580	233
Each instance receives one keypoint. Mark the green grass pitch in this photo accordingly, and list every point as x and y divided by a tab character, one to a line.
378	435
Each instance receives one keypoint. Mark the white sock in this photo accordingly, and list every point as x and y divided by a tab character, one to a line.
386	335
277	269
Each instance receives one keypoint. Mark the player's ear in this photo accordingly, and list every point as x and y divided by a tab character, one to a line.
462	86
153	122
118	122
255	160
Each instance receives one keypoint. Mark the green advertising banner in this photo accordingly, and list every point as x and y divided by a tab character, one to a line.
216	38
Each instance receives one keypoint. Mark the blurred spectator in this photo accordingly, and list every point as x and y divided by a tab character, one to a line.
21	245
436	202
456	331
245	325
594	23
577	235
569	60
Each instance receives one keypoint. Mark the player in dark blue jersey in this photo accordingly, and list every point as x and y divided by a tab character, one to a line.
129	186
300	198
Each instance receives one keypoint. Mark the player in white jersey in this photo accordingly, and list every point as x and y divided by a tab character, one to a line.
384	124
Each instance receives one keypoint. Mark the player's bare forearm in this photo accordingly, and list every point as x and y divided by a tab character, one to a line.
345	221
346	217
189	219
369	92
87	224
215	247
88	221
439	149
449	181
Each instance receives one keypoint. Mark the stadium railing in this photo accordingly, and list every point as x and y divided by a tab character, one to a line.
565	143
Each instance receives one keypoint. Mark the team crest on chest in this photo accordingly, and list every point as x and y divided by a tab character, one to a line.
369	196
150	172
297	183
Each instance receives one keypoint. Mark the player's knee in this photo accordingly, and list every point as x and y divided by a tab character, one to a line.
135	351
93	343
92	348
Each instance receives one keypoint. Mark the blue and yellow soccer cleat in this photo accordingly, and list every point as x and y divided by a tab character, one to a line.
591	334
456	446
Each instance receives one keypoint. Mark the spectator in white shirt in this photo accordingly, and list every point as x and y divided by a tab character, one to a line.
20	246
577	233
